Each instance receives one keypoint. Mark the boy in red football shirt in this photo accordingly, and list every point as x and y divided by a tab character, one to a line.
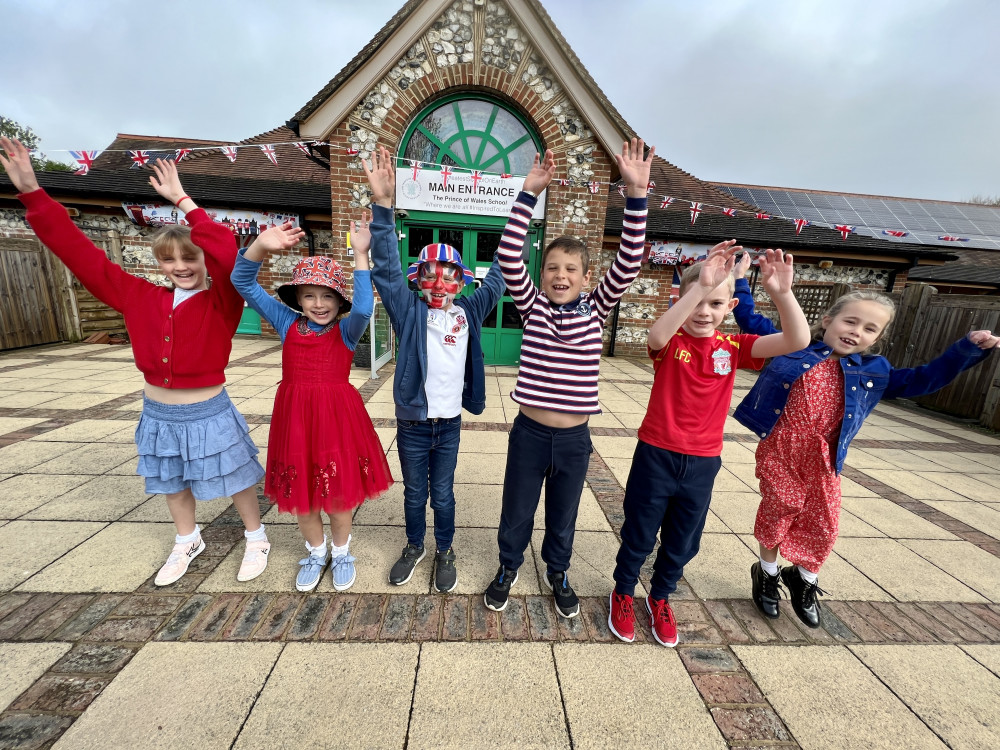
680	441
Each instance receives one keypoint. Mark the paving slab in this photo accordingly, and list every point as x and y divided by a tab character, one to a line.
340	695
28	546
988	656
957	697
477	564
23	663
220	683
721	568
981	516
976	568
910	484
829	699
591	565
22	493
964	485
956	462
120	557
737	510
93	458
106	498
607	687
903	573
26	454
154	509
510	688
15	424
84	431
893	520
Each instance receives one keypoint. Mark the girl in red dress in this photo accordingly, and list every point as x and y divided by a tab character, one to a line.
323	453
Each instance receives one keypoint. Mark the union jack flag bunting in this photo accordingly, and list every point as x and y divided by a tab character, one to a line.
229	151
761	215
351	151
303	147
593	186
667	200
729	211
560	181
476	177
505	175
650	187
950	238
895	232
695	210
181	153
85	159
446	172
268	150
415	166
621	190
844	229
799	223
139	158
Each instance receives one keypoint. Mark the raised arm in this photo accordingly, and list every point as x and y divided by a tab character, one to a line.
634	169
777	274
387	273
244	276
363	304
967	352
747	318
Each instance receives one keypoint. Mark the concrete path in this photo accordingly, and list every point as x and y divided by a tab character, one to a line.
92	655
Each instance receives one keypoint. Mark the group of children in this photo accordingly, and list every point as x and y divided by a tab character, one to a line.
325	457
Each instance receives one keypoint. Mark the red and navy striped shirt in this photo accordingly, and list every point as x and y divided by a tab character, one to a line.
561	347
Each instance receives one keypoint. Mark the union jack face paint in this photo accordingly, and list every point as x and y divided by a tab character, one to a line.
439	283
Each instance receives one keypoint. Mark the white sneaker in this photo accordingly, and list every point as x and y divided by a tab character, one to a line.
178	561
254	560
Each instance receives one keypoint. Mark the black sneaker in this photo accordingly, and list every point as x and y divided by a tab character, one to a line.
567	602
402	571
766	590
445	575
499	589
803	596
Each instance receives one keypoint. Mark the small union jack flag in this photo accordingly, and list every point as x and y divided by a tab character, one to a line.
895	232
446	172
951	238
695	210
415	166
761	215
650	186
229	151
799	223
844	229
268	150
593	186
181	153
303	147
505	175
560	181
476	177
140	158
621	190
729	211
351	151
667	200
85	159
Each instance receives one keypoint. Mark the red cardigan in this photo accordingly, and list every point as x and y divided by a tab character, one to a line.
186	347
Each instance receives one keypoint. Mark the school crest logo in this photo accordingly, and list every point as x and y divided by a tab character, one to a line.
722	362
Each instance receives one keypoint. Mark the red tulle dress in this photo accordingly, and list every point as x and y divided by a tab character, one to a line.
322	450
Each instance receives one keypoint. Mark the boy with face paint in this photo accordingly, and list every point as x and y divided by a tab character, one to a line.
439	371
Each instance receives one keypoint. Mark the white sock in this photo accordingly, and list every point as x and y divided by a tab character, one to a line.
336	551
807	576
771	568
185	538
256	536
319	550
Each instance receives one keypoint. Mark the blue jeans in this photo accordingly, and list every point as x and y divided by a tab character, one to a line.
428	453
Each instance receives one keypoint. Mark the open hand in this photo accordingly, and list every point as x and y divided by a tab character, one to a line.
719	264
634	168
361	236
282	237
166	181
742	265
540	174
777	272
381	175
984	339
16	160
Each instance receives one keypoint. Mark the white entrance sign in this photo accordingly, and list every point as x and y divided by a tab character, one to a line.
475	193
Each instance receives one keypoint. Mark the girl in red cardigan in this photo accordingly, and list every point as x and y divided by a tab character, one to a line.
193	444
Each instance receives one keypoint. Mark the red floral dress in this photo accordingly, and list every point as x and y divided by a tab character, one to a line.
800	490
322	452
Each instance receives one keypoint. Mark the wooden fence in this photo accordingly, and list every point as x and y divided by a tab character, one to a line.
30	295
926	324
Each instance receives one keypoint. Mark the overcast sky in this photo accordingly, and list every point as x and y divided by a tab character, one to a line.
892	97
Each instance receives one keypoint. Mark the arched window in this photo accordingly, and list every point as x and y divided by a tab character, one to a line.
474	132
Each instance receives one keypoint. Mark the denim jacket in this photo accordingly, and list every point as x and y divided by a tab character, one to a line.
867	379
408	314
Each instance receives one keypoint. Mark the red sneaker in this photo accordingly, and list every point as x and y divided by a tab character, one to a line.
664	624
621	618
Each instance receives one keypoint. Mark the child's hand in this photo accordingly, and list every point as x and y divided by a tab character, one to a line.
984	339
284	237
381	176
742	266
777	272
540	174
16	161
166	182
634	168
361	236
718	265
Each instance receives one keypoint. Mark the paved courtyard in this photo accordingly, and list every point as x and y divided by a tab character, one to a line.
92	655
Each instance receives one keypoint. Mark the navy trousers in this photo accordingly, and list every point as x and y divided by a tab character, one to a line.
666	492
558	457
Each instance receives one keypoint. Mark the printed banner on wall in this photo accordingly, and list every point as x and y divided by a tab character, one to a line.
477	193
677	253
239	222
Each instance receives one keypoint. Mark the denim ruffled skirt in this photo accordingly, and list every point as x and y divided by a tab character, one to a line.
205	447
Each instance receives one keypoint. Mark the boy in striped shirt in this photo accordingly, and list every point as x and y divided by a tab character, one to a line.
557	378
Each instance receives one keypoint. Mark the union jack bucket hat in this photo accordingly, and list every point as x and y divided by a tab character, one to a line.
318	270
443	253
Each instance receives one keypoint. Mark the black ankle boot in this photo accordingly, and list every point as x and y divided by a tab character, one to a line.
803	596
766	591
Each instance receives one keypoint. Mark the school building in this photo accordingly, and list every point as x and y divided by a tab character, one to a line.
463	93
